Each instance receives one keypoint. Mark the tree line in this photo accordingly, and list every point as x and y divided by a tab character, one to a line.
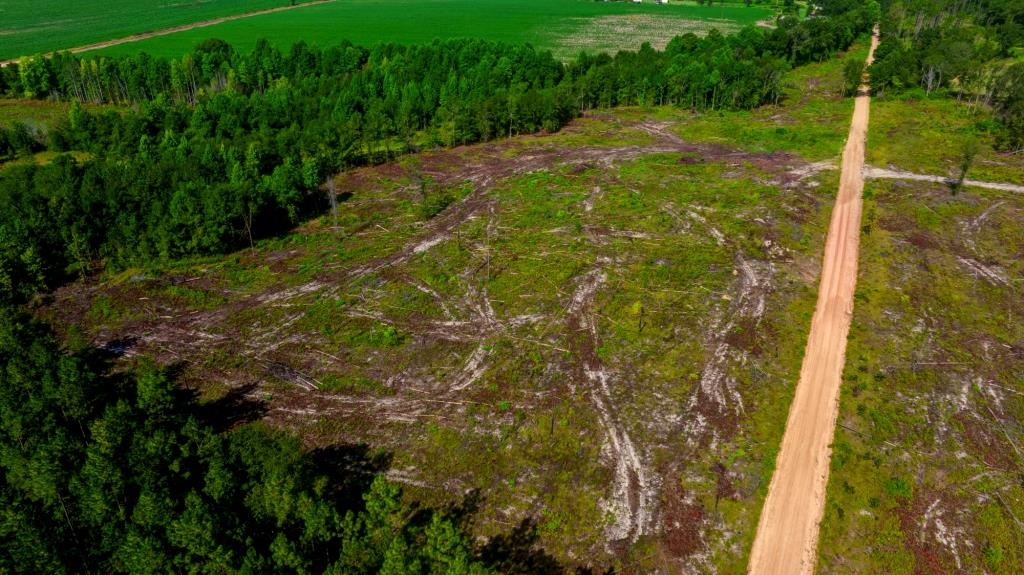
967	50
206	153
106	472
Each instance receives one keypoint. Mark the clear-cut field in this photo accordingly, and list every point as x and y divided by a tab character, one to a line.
926	461
597	332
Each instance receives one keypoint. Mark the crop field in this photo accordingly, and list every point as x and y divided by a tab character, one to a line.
563	26
597	331
30	26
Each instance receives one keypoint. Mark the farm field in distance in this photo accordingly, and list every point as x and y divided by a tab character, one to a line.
563	26
28	27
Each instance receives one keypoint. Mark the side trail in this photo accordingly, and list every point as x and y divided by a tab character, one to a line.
787	533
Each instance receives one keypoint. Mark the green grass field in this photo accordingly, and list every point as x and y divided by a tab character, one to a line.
926	136
564	26
29	26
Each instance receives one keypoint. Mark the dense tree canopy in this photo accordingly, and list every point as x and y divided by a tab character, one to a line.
123	473
205	153
960	48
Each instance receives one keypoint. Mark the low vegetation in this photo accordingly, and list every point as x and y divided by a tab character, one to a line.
454	342
926	462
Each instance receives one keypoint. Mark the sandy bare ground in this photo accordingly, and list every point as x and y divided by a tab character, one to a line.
871	173
787	534
876	173
175	29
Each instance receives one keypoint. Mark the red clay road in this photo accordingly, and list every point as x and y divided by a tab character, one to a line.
787	533
182	28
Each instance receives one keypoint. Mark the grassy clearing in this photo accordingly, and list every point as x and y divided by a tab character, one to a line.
38	116
33	113
554	25
926	468
460	357
812	119
30	27
927	136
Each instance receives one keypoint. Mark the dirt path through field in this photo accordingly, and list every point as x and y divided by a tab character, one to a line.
175	29
787	533
873	173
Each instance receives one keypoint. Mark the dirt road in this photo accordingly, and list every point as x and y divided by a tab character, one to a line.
182	28
787	534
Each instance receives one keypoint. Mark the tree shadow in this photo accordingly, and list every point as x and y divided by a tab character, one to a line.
463	512
518	552
237	407
118	347
351	468
514	552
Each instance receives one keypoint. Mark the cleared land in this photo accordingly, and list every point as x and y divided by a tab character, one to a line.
30	26
787	533
601	328
564	26
926	135
591	333
927	458
927	461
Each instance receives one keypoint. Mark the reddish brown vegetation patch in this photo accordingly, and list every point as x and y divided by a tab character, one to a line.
750	335
985	441
931	532
682	524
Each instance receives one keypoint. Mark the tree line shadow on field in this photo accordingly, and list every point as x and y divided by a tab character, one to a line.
514	552
352	468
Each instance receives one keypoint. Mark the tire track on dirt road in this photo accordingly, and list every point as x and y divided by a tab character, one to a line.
174	29
787	533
